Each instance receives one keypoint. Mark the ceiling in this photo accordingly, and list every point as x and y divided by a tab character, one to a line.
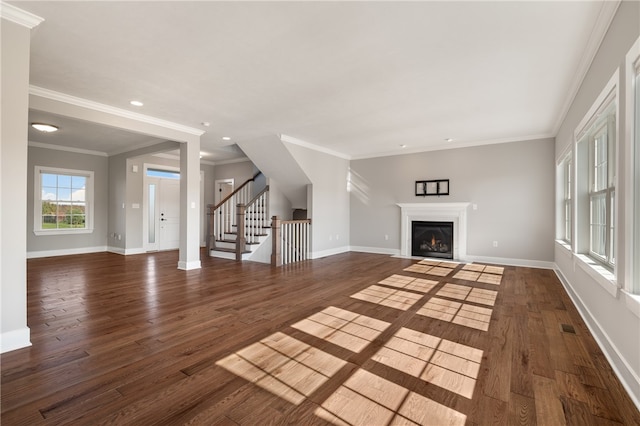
362	79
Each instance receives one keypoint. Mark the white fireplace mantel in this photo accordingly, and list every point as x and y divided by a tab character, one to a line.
435	212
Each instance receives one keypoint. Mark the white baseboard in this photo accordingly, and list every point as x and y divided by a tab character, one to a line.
511	262
65	252
329	252
187	266
15	339
627	376
375	250
125	252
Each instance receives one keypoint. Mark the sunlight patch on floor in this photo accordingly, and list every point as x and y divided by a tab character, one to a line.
284	366
343	328
385	296
457	313
367	399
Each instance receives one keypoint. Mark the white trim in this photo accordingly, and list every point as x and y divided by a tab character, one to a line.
607	12
540	264
610	90
67	149
15	339
598	273
65	252
627	376
188	266
115	250
19	16
632	301
442	146
126	252
37	201
294	141
95	106
329	252
375	250
631	233
454	212
232	161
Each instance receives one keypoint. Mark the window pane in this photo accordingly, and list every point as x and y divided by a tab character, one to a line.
78	182
78	195
64	194
49	193
64	181
598	224
49	179
600	161
612	239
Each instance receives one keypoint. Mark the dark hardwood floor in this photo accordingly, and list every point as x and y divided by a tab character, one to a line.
349	339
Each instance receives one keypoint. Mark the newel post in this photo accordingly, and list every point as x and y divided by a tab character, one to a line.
211	237
240	238
276	254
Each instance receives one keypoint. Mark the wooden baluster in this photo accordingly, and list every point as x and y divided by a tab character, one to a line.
240	237
276	255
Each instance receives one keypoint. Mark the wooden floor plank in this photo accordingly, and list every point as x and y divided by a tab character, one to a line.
133	340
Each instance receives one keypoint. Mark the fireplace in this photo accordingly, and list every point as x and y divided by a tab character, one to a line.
432	239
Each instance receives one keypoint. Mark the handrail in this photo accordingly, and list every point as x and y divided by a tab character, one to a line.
238	189
290	241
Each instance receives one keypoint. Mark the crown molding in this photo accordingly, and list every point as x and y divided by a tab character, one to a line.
607	12
292	140
452	145
119	112
19	16
67	149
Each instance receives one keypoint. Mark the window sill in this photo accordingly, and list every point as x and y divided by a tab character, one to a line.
633	302
599	273
42	232
566	247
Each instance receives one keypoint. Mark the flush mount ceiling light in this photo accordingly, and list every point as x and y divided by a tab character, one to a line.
226	138
206	124
449	139
403	146
47	128
136	103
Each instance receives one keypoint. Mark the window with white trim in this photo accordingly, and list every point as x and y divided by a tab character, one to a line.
567	202
597	178
63	201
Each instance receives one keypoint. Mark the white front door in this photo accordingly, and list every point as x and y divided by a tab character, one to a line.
168	214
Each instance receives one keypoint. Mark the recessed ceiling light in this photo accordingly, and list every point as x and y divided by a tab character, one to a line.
226	138
47	128
206	124
449	139
136	103
403	146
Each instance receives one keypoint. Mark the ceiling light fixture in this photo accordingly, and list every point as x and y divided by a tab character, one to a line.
449	139
136	103
206	124
226	138
46	128
403	146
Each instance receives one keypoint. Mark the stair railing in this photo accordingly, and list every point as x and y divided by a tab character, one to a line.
222	216
290	241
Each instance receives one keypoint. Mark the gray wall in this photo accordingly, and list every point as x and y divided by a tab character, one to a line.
512	185
610	317
239	172
95	241
327	199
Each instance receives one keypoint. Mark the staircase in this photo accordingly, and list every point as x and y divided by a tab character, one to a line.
239	224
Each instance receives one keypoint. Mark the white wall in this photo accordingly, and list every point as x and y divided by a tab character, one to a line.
611	317
14	50
327	199
55	245
512	185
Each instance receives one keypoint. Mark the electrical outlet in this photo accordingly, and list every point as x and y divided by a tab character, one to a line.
495	244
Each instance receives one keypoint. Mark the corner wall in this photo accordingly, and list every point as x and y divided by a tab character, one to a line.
614	320
512	185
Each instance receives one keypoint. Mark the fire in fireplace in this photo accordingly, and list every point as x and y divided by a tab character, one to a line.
432	239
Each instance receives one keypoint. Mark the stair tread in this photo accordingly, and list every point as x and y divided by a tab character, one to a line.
226	250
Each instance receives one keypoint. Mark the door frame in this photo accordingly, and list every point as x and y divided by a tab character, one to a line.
145	204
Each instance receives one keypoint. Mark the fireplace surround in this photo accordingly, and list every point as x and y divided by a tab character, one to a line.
435	212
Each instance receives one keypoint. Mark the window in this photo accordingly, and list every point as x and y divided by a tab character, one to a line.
596	180
567	211
632	165
63	201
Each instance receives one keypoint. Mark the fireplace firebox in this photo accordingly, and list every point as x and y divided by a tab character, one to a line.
432	239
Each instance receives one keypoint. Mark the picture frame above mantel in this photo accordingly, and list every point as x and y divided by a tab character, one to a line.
436	187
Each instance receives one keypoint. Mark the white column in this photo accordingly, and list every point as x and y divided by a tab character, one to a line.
15	40
189	257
